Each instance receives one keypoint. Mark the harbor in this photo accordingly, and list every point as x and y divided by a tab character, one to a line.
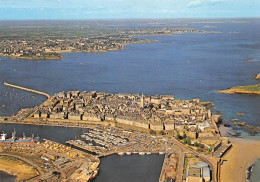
106	141
46	160
108	164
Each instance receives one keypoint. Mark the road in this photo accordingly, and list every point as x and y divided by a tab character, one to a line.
213	162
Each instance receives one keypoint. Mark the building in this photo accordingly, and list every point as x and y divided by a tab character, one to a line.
198	172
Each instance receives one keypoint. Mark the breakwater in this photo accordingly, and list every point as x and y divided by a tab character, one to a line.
27	89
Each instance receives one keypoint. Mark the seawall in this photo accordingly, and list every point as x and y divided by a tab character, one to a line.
27	89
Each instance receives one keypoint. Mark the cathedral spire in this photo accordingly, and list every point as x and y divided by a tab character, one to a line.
142	100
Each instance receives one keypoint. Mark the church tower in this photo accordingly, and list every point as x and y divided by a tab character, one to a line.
142	101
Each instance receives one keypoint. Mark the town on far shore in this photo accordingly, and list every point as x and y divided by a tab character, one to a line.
47	45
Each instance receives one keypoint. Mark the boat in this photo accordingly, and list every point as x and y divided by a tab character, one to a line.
83	136
121	153
128	153
141	153
94	173
148	153
14	139
161	153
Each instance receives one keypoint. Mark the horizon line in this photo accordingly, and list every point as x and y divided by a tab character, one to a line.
107	19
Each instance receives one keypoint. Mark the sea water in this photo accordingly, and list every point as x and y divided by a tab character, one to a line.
255	175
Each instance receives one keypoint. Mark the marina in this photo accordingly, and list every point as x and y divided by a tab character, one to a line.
106	141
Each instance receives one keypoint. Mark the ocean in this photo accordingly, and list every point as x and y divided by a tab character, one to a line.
185	65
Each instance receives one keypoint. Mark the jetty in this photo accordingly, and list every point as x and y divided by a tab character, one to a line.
27	89
169	167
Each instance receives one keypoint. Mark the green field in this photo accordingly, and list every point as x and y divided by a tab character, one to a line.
255	88
42	56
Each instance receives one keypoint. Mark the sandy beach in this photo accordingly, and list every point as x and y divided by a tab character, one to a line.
16	167
243	153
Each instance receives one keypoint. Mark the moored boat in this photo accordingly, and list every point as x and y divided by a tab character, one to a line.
121	153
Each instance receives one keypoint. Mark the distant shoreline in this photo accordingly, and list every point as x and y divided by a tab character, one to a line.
140	41
60	56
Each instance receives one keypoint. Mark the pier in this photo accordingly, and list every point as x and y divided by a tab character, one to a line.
169	167
27	89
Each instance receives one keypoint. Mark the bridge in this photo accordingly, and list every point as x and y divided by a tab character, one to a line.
27	89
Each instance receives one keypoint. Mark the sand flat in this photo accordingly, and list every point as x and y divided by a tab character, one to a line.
242	154
16	167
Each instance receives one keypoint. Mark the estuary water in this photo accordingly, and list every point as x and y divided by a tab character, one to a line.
185	65
4	177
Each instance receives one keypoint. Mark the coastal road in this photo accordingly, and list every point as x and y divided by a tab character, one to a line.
210	160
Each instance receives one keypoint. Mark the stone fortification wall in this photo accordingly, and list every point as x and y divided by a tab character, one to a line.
142	124
125	121
91	118
156	126
169	126
136	128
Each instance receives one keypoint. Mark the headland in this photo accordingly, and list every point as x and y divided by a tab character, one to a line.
249	89
257	76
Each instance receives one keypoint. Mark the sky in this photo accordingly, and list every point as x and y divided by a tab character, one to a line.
125	9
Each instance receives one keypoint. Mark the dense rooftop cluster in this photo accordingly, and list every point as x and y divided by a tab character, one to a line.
158	112
37	47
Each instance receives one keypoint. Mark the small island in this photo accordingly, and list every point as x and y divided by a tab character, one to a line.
249	89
